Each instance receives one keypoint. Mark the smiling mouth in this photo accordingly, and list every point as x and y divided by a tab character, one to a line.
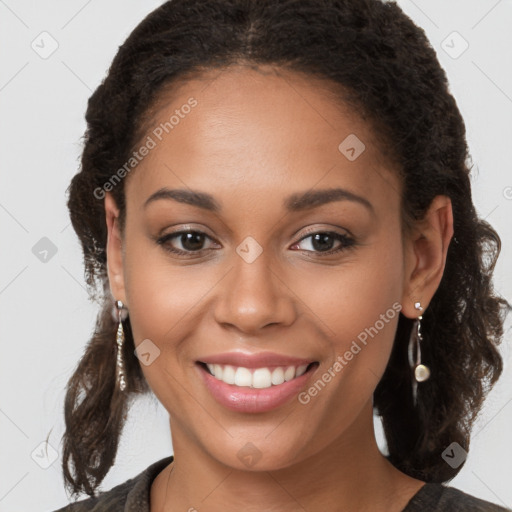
258	378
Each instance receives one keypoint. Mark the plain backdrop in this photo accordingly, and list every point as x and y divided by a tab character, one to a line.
53	55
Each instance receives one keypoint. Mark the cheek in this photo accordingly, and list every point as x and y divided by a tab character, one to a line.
159	292
359	307
351	297
167	303
163	302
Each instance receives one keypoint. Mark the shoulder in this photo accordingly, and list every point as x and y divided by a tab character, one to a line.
434	497
131	495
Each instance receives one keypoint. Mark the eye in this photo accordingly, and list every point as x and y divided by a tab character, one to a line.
191	241
322	242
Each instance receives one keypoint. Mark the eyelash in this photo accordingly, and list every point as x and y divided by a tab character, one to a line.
347	242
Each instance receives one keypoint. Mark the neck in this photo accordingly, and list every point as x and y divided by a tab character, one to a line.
348	474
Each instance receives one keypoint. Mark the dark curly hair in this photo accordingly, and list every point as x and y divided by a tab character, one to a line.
382	65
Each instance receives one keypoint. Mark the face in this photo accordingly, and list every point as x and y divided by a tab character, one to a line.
251	270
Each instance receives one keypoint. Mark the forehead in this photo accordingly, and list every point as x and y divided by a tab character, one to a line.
259	132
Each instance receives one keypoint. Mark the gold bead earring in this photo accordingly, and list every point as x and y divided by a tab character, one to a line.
421	371
121	373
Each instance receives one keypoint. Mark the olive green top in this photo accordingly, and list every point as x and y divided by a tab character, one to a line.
133	496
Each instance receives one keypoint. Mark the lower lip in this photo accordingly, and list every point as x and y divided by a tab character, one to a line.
252	400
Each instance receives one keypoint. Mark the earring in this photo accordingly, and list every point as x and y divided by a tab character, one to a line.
121	375
421	371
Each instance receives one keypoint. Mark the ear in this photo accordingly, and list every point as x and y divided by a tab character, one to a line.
425	255
114	250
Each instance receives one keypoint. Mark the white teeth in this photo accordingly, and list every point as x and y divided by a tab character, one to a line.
289	373
277	376
217	370
259	378
228	376
243	377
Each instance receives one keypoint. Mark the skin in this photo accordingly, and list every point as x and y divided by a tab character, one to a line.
254	138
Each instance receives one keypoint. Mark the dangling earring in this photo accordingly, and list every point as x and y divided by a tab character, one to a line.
421	371
121	375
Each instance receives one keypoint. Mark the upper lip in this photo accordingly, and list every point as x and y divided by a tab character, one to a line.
258	360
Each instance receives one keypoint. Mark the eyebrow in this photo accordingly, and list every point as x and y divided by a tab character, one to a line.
294	203
314	198
192	197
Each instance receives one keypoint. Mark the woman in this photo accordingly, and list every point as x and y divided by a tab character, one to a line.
274	195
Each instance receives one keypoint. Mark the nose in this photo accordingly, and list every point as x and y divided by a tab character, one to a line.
253	296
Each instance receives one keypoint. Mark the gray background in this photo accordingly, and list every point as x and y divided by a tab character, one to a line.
46	315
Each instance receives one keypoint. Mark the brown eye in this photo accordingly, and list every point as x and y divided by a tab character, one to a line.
323	242
187	241
192	241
